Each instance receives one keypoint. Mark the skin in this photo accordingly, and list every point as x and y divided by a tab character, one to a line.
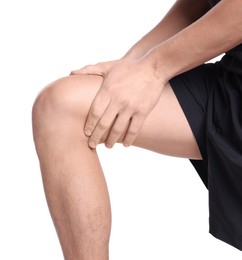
128	101
147	74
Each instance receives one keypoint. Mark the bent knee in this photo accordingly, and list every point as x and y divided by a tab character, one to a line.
67	97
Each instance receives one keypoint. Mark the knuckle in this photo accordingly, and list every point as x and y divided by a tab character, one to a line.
95	112
131	105
123	101
103	125
133	131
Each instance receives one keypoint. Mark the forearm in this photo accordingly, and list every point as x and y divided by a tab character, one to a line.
179	16
213	34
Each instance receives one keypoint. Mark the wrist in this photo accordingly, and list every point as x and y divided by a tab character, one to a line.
157	61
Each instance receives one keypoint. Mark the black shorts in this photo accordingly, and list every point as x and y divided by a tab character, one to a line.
211	98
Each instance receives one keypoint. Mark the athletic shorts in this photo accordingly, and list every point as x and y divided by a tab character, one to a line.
211	98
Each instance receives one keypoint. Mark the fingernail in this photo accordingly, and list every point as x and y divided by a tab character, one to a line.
108	145
88	132
92	144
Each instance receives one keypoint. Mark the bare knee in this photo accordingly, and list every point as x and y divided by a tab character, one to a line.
64	101
71	95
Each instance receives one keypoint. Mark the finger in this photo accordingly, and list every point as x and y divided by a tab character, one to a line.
133	130
118	128
97	109
89	69
102	127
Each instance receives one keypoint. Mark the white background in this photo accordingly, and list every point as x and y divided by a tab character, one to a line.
160	207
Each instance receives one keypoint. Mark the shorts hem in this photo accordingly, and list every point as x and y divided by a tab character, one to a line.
197	125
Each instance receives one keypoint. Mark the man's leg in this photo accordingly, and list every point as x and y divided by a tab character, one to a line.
73	180
74	184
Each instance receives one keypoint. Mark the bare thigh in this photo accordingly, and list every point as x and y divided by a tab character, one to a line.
164	131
